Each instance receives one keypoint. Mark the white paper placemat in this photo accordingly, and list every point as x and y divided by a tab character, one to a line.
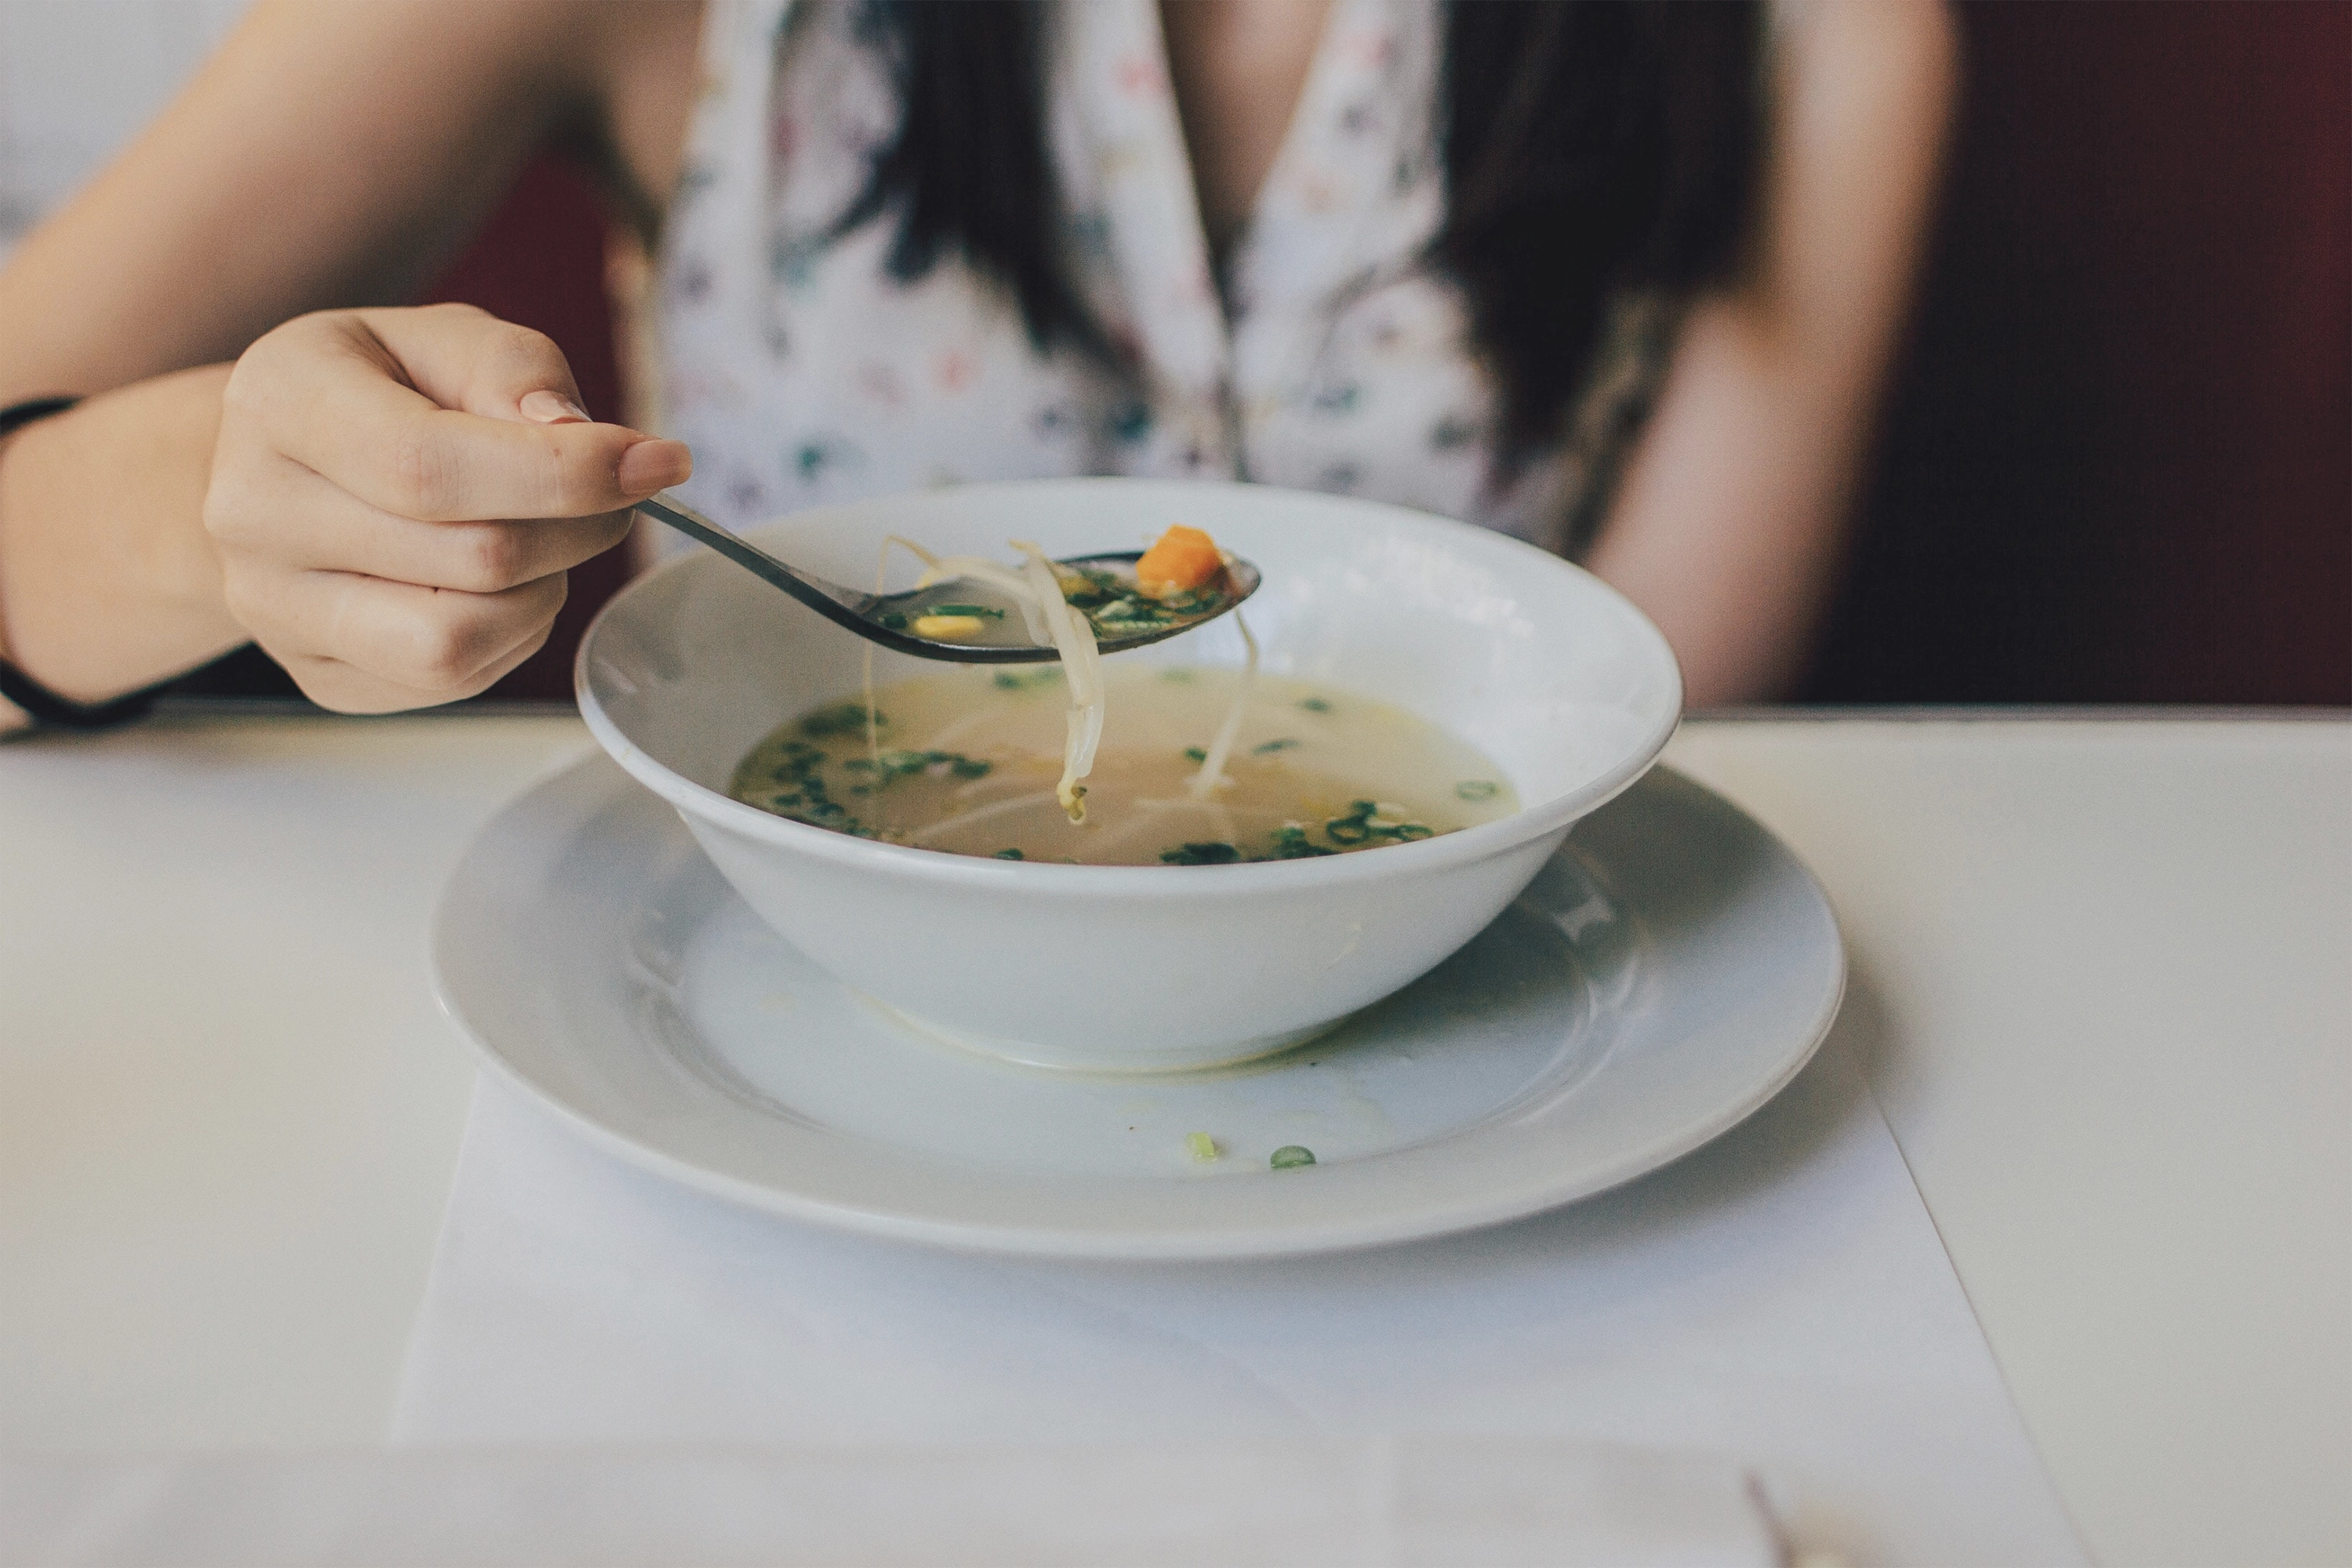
1779	1299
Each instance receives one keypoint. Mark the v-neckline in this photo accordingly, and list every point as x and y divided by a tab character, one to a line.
1298	132
1286	147
1316	220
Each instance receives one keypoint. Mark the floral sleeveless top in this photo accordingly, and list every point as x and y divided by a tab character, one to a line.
1334	358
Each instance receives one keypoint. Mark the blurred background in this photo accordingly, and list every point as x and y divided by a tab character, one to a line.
2117	462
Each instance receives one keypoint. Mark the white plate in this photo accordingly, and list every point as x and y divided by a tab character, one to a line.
1664	974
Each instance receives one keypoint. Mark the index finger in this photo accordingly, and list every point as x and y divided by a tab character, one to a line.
351	414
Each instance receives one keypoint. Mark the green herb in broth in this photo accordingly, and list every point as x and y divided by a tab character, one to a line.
841	719
1290	843
796	786
1215	854
968	760
1370	822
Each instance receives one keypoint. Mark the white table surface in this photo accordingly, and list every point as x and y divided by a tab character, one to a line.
2105	964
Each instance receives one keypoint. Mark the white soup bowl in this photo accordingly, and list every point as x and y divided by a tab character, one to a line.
1565	687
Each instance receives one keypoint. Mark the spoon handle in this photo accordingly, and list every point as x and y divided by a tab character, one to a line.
818	596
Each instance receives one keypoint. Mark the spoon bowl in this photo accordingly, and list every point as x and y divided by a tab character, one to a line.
989	628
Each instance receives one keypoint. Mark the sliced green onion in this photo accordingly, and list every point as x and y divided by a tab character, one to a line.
1200	854
1290	844
1290	1156
843	719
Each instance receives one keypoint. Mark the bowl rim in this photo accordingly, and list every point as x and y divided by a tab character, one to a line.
1461	847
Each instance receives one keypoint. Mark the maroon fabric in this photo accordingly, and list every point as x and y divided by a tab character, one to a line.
2118	466
539	260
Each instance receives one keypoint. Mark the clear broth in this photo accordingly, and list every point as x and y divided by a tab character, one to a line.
966	761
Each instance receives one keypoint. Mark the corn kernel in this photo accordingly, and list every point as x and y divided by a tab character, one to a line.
948	628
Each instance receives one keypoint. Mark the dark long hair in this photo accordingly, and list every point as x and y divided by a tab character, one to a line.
1589	146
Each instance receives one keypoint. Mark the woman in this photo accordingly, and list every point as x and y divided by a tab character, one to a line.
1527	264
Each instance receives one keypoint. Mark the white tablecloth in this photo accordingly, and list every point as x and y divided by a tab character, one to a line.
2098	988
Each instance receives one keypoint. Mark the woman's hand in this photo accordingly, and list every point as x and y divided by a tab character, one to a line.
396	495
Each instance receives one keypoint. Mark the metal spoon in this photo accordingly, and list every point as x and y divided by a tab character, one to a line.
866	614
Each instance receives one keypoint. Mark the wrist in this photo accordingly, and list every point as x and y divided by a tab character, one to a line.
22	703
108	581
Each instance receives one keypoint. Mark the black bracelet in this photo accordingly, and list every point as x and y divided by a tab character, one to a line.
40	704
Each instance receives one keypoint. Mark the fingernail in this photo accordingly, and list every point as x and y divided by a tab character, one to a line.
553	408
651	466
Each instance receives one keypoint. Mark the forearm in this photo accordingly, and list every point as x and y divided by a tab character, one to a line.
327	156
1733	515
108	580
1732	520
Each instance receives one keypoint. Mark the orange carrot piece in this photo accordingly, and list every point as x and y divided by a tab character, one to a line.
1182	559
